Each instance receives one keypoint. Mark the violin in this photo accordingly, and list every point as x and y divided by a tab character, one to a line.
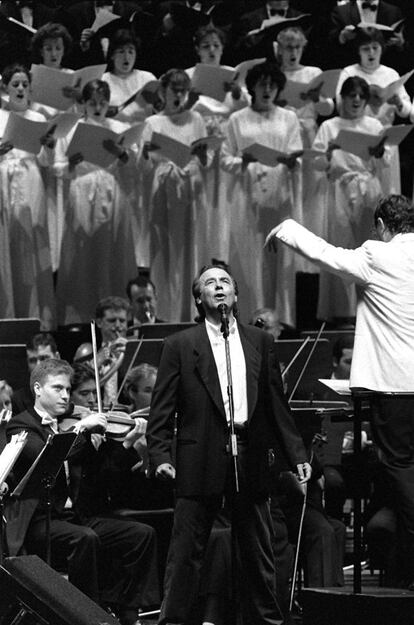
119	423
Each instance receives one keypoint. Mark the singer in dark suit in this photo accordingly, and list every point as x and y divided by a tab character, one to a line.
192	384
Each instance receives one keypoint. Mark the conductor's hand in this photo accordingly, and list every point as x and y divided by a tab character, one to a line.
165	471
304	471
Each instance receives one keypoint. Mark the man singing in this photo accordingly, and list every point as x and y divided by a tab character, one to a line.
192	383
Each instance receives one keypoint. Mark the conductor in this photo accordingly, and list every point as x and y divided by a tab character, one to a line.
191	398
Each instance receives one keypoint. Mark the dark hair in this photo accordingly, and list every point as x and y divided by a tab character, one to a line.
11	70
81	373
42	339
52	366
196	289
210	29
49	31
175	76
397	213
343	342
140	281
268	69
120	38
368	35
96	86
112	302
355	82
138	373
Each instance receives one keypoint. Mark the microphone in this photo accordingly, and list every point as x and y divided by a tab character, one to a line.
222	309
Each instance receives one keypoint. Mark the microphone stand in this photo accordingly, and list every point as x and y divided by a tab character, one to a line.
233	450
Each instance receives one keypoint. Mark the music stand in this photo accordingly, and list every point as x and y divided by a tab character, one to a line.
43	473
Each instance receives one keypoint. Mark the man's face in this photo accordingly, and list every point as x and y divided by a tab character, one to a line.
43	352
113	324
216	287
52	395
343	367
141	392
85	394
144	303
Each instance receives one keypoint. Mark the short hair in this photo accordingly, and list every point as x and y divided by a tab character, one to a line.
52	366
204	31
196	290
50	30
355	82
343	342
140	281
368	35
397	213
175	76
142	371
81	373
267	69
11	70
112	302
96	86
292	34
120	38
41	340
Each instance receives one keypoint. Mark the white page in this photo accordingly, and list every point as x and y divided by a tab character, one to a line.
209	80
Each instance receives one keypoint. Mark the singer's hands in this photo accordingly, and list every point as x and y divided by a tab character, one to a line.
165	471
304	472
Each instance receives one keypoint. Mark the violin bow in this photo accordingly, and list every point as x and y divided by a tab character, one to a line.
131	364
300	350
321	329
96	368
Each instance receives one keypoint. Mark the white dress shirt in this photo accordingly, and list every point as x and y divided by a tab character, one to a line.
383	358
238	369
366	14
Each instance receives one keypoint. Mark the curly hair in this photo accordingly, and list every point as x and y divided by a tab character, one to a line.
397	213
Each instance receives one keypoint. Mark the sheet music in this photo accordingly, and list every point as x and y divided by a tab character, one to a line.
88	140
209	80
359	143
103	17
10	454
48	83
341	387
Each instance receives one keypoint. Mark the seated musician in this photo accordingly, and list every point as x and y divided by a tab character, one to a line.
267	319
112	318
112	561
40	347
142	297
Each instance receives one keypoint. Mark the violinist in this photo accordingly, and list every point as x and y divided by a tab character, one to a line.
78	538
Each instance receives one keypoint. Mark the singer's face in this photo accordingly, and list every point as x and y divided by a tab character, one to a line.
216	287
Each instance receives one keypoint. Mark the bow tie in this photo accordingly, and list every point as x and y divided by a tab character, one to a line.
280	12
52	421
372	6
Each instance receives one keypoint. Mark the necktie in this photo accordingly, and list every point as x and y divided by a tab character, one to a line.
48	420
372	6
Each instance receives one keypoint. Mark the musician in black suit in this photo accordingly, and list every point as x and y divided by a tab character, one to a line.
192	383
112	561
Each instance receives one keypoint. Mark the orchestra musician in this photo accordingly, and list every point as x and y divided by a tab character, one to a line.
192	381
79	538
383	356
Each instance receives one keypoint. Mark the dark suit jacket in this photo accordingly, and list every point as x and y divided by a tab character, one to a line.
188	384
20	512
347	14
